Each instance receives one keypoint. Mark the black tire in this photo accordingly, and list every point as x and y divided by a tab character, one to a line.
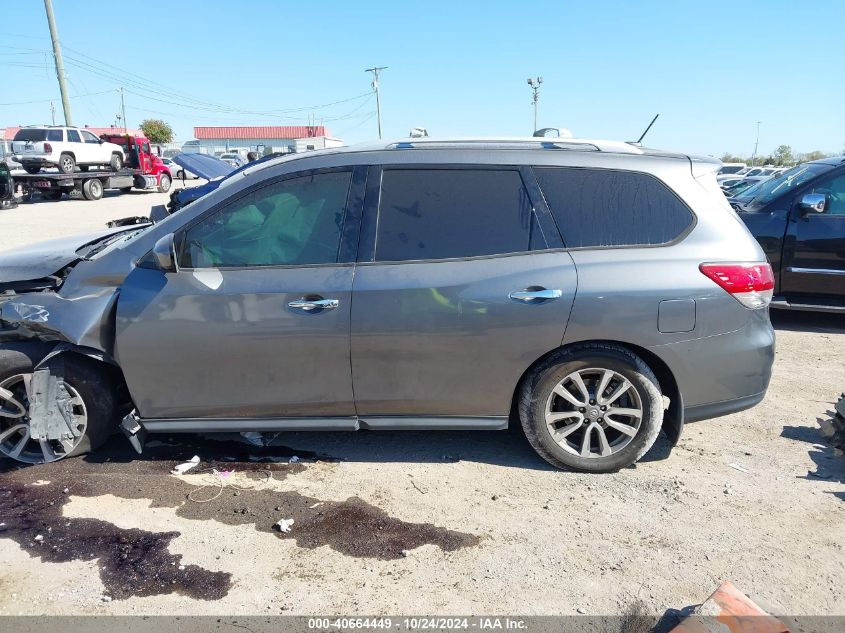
92	189
116	162
125	189
32	169
537	389
85	376
180	174
67	164
164	183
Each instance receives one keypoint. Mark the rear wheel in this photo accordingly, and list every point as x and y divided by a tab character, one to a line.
595	408
32	169
164	183
116	162
87	405
67	163
92	189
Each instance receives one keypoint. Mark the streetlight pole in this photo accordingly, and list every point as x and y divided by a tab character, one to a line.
376	70
535	86
756	142
57	57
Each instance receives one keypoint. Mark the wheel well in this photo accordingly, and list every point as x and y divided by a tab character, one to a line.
71	154
673	418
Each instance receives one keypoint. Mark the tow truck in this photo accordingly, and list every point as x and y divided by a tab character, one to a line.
142	170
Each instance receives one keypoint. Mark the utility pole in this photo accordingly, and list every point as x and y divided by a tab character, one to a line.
756	142
376	70
122	109
535	86
53	112
60	65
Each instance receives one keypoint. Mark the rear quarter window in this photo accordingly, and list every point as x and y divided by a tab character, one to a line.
604	207
31	135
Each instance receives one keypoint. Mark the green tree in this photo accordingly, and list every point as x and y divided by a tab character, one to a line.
157	130
814	155
783	156
727	157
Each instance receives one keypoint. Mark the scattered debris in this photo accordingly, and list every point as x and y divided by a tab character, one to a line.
284	525
581	610
40	482
494	497
833	430
39	538
404	553
293	460
181	469
253	437
105	598
728	609
740	468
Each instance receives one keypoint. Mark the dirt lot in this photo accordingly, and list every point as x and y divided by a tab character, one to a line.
427	523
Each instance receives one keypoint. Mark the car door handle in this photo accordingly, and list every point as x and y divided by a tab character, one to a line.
535	295
314	304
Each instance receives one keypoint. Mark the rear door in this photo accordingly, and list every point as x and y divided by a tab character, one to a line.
814	247
458	290
255	323
75	145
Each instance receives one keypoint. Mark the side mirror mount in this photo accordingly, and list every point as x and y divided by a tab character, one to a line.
812	203
164	254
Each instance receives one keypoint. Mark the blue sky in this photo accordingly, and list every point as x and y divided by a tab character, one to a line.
711	69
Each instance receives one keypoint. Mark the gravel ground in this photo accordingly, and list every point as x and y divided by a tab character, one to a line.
425	523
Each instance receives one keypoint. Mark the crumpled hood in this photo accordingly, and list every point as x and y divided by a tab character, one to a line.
202	165
36	261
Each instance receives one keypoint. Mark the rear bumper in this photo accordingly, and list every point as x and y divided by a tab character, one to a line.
25	159
722	374
726	407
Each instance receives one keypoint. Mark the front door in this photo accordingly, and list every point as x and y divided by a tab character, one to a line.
255	323
460	294
814	246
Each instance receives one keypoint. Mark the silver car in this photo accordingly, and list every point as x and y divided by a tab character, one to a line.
594	291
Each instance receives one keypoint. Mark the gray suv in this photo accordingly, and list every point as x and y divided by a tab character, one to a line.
596	291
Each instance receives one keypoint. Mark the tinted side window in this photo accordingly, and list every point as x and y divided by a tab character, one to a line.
87	137
73	136
602	207
833	189
293	221
55	135
447	213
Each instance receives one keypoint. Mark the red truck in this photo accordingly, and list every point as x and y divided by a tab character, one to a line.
142	169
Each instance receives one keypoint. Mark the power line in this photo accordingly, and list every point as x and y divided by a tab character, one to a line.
90	94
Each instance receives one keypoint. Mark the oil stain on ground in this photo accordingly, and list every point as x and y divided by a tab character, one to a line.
135	562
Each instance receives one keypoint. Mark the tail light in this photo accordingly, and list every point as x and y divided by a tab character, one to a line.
48	147
752	284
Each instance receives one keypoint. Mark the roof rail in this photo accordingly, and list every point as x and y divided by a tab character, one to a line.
530	142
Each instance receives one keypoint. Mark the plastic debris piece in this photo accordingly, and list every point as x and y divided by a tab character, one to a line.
284	525
181	469
39	538
253	437
740	468
293	460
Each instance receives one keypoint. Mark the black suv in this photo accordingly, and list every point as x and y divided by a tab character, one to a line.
799	219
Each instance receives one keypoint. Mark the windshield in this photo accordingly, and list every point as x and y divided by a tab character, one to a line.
731	169
768	190
31	135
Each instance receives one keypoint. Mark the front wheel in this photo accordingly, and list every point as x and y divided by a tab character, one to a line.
87	403
164	183
595	408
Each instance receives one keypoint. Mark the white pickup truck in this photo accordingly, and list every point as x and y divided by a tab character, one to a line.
35	147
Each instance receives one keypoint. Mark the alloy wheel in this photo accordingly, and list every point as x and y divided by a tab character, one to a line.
594	412
15	438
